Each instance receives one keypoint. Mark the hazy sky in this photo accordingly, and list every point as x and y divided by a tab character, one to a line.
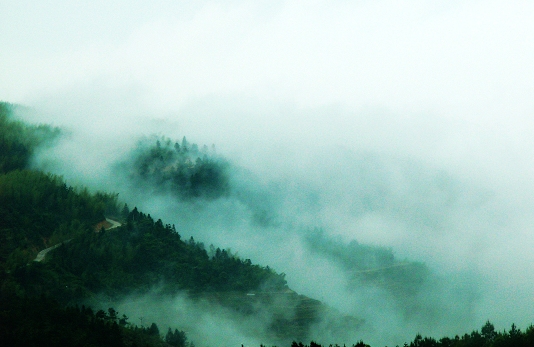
448	84
448	80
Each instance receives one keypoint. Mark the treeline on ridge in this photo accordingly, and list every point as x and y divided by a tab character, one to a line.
19	140
486	337
143	252
183	168
41	321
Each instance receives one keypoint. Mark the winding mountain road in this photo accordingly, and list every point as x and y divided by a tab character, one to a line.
42	254
114	223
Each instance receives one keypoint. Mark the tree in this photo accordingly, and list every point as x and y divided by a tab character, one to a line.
112	314
185	145
488	331
153	330
176	338
125	211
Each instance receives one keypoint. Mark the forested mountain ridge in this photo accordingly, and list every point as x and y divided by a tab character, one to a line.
183	169
19	140
38	300
39	210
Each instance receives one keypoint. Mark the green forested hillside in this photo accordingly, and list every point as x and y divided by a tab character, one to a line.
41	321
185	170
143	252
41	302
39	210
18	140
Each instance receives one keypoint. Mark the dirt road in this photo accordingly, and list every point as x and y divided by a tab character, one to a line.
42	254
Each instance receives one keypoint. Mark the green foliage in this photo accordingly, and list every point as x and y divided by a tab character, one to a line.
18	141
144	252
488	337
315	344
43	322
38	210
182	169
176	338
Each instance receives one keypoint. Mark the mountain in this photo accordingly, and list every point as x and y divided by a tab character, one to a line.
40	210
96	252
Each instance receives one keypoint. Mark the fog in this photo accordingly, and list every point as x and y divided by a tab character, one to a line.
403	127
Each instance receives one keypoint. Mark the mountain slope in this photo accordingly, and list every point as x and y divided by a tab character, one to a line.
39	210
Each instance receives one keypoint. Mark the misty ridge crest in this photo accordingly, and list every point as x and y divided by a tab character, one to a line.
372	265
179	168
408	284
415	290
18	140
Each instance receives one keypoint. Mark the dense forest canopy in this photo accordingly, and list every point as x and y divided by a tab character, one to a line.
181	168
38	209
18	140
